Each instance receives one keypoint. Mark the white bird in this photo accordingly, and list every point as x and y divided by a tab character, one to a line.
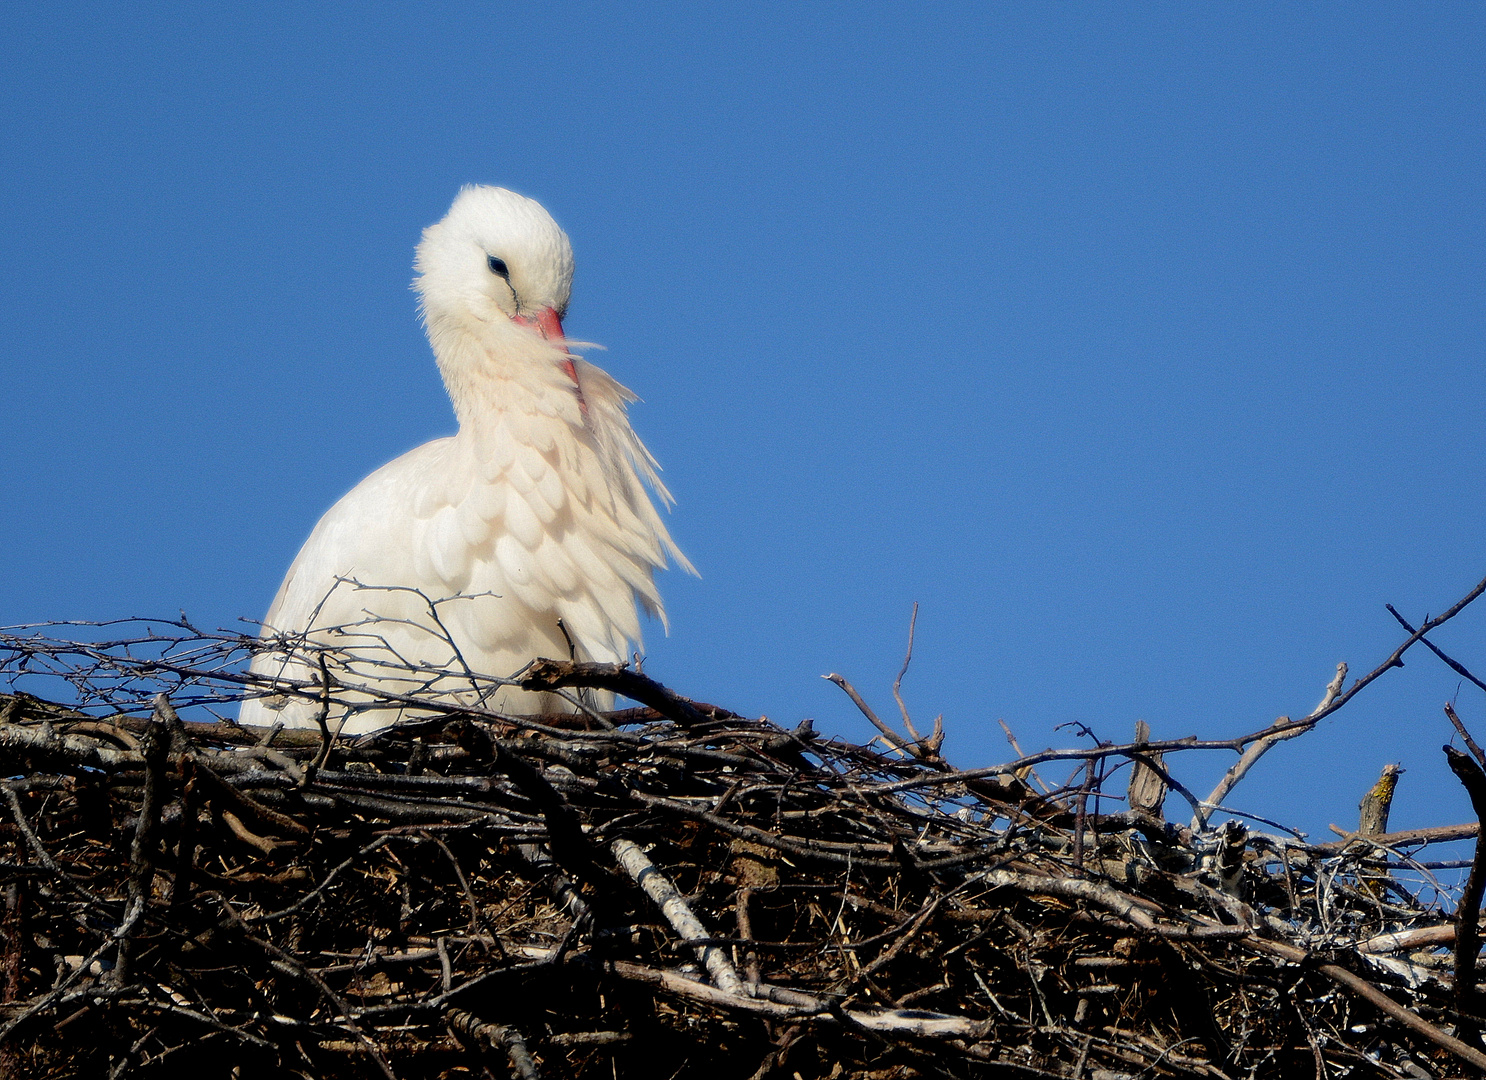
529	533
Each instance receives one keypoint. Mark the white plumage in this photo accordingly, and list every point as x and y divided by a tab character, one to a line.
470	549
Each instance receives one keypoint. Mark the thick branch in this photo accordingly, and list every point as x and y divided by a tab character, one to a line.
547	674
1468	912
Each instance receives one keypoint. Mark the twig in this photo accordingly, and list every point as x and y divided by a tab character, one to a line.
322	720
1421	938
1455	666
1011	738
898	682
1285	730
477	917
1128	908
227	797
745	933
493	1037
547	674
915	747
803	1006
658	887
1437	834
932	744
1465	735
1468	911
185	860
142	849
866	710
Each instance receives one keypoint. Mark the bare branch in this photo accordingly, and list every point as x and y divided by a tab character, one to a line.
1256	750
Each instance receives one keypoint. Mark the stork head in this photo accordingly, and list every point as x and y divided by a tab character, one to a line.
496	255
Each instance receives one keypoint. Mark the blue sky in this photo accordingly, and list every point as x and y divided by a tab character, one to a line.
1142	345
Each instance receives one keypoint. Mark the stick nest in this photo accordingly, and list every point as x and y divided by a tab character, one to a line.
675	892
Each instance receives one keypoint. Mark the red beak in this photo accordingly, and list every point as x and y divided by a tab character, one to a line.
547	322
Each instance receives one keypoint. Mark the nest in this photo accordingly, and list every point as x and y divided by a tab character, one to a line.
675	891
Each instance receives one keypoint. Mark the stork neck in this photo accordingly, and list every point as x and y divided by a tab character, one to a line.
490	368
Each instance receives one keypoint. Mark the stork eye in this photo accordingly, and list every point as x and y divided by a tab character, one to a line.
498	266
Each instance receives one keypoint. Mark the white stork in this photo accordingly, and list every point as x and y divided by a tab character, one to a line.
529	533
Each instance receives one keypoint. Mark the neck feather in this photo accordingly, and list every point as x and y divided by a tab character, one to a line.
491	368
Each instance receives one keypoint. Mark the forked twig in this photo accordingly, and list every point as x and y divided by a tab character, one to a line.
1258	749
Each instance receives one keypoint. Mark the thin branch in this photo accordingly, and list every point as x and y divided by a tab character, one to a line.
1468	911
1454	665
898	682
142	849
1465	735
1255	751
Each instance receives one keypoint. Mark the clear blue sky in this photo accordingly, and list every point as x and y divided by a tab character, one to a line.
1141	344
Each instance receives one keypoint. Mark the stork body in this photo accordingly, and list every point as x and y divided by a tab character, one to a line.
529	533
